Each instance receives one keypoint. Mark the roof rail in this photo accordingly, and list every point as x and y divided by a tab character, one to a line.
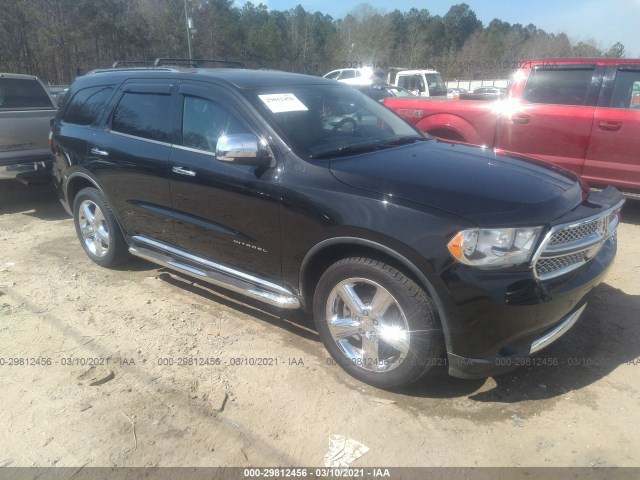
132	63
196	63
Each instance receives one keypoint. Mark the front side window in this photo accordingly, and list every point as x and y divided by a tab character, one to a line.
87	105
144	115
23	93
558	86
204	121
626	90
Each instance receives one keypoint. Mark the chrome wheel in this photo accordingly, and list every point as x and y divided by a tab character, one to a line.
94	228
368	325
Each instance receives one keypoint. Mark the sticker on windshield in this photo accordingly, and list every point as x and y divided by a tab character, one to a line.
283	102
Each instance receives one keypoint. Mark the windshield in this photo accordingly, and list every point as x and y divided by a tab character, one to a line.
322	120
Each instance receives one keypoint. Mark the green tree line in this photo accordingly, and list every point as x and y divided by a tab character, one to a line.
59	39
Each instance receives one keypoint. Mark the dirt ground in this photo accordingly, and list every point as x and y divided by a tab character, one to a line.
145	403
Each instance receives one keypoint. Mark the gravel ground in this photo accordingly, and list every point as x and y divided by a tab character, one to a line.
141	367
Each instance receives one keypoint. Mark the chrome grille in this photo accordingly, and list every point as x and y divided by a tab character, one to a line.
570	246
574	233
545	266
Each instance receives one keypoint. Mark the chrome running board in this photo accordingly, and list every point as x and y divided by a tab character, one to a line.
210	272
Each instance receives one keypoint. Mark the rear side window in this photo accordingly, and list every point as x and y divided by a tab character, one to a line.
348	74
23	93
559	86
626	90
144	115
87	105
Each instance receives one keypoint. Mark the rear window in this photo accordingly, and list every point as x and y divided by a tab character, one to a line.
144	115
559	86
87	105
23	93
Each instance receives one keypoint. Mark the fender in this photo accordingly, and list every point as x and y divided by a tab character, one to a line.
447	121
401	259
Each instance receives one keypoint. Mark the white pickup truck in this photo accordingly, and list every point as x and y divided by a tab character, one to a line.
424	83
26	109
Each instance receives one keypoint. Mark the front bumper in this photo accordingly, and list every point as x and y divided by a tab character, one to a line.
496	320
463	367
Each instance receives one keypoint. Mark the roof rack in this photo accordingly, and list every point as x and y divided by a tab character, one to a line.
132	63
196	63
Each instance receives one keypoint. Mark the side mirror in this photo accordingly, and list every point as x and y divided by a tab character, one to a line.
243	149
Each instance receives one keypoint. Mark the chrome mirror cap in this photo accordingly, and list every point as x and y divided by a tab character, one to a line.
243	149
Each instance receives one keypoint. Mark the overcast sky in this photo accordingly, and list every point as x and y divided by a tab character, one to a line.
602	22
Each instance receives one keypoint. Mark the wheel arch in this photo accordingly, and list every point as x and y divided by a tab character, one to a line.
325	253
76	182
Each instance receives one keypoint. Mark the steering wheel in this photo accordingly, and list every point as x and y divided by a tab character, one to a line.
346	126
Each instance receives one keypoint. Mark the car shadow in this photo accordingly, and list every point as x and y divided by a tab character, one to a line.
293	321
38	200
602	340
631	212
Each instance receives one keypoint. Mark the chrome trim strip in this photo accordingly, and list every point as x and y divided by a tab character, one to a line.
195	150
214	273
140	138
557	332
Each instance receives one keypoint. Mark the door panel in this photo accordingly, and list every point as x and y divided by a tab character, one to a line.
553	119
613	157
224	212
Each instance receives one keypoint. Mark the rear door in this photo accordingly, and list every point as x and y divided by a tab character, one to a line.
613	157
224	212
130	158
553	119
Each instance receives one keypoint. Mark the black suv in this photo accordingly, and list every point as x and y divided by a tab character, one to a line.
305	193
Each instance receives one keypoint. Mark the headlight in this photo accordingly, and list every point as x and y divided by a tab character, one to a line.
494	247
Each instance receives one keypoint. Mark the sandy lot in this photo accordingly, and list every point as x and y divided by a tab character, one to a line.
139	367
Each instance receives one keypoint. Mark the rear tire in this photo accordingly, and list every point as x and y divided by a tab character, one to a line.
97	229
377	324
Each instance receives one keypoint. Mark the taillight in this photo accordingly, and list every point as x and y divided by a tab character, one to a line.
53	146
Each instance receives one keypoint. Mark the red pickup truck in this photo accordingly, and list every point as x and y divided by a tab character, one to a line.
582	114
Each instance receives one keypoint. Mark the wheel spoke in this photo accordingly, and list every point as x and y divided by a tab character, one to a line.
380	303
370	350
98	217
88	214
343	327
102	236
97	245
394	336
351	299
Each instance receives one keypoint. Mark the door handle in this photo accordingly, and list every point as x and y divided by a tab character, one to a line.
97	151
183	171
609	126
519	119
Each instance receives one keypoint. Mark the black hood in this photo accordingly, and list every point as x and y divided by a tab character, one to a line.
472	182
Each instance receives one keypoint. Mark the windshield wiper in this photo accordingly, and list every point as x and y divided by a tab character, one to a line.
370	147
405	140
347	150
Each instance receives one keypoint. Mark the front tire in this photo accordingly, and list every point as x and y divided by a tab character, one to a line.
97	229
377	324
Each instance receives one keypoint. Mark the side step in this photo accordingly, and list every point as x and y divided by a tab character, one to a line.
213	273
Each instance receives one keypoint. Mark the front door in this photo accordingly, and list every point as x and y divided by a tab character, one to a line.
553	119
224	212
